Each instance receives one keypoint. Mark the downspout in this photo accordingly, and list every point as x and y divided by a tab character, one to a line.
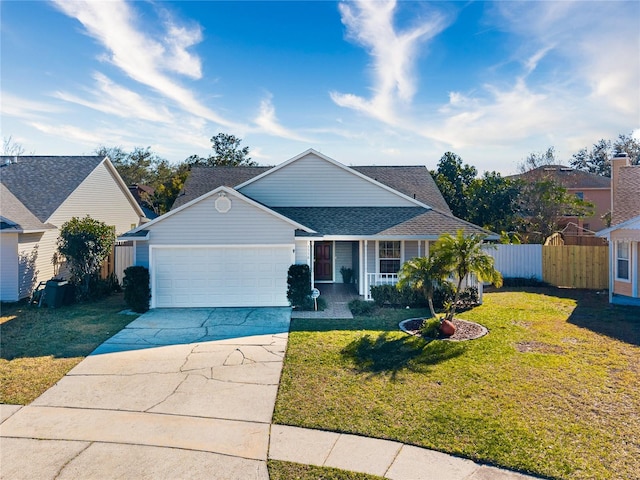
312	250
365	283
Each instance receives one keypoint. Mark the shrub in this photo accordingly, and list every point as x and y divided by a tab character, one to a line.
299	287
389	295
362	307
430	328
347	274
136	288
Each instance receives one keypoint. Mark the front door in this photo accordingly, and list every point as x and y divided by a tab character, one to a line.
323	261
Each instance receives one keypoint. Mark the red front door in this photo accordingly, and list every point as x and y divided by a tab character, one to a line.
323	261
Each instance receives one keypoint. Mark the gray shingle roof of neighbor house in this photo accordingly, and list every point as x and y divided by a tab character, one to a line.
565	176
14	216
364	221
43	183
413	181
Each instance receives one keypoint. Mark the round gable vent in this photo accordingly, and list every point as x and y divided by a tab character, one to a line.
223	203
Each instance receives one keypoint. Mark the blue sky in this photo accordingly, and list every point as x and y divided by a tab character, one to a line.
386	83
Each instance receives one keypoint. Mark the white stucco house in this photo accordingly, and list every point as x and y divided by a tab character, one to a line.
38	195
235	231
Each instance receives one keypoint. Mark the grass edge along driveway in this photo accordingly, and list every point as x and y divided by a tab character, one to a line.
552	390
38	346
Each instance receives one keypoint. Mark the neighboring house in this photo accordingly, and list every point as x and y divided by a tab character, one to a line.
38	195
624	233
143	194
586	186
235	231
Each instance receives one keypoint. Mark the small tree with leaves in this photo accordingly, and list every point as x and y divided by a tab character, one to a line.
85	243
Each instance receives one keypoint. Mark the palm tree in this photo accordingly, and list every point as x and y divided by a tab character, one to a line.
463	255
422	273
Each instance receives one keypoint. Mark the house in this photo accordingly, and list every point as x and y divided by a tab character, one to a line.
584	185
624	233
143	195
39	194
232	235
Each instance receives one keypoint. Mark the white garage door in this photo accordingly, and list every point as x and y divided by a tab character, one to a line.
220	276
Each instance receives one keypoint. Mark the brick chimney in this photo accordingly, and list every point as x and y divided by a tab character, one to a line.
620	160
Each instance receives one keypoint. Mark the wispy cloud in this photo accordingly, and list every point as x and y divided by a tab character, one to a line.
268	122
393	54
111	98
19	107
145	59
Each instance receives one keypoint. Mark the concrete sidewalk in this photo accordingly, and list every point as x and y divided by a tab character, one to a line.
190	394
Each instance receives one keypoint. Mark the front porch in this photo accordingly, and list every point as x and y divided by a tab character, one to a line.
337	296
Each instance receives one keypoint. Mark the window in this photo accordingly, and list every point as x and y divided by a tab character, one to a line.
389	254
622	260
580	195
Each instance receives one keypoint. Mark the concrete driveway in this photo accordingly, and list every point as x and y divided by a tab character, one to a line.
179	393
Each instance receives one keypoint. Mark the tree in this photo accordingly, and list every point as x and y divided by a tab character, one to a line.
598	159
140	166
11	147
453	179
493	202
542	204
85	243
462	255
538	159
227	153
423	274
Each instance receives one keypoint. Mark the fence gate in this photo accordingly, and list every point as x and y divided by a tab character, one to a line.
576	266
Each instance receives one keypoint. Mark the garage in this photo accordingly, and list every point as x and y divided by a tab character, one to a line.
220	276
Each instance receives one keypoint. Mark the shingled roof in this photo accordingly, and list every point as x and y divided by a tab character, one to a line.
42	183
365	221
565	176
626	202
16	217
413	181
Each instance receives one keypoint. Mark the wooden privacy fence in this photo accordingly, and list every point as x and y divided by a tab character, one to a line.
118	260
576	266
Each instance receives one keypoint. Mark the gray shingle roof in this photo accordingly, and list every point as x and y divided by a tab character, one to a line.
565	176
365	221
413	181
15	216
202	180
41	183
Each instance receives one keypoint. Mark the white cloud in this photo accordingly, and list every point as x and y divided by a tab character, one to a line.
268	122
114	99
24	108
145	59
393	54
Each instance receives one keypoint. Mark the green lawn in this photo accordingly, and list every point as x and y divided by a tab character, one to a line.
295	471
551	390
38	346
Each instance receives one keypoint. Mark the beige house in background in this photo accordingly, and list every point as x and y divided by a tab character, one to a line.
38	195
587	186
624	233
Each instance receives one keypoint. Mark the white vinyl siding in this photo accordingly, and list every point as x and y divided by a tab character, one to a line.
38	246
202	224
9	267
101	197
141	255
314	182
343	258
303	255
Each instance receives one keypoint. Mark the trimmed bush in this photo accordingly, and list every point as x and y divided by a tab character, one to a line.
136	288
390	296
299	287
362	308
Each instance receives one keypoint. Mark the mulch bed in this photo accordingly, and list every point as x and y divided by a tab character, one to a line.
465	330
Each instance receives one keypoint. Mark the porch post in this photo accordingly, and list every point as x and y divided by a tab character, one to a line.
634	264
366	276
312	253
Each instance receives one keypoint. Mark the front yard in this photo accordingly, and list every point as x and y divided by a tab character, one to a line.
551	390
38	346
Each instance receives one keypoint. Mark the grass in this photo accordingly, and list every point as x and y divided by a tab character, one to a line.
551	390
38	346
294	471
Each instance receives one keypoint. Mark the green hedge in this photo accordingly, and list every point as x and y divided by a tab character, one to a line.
136	288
